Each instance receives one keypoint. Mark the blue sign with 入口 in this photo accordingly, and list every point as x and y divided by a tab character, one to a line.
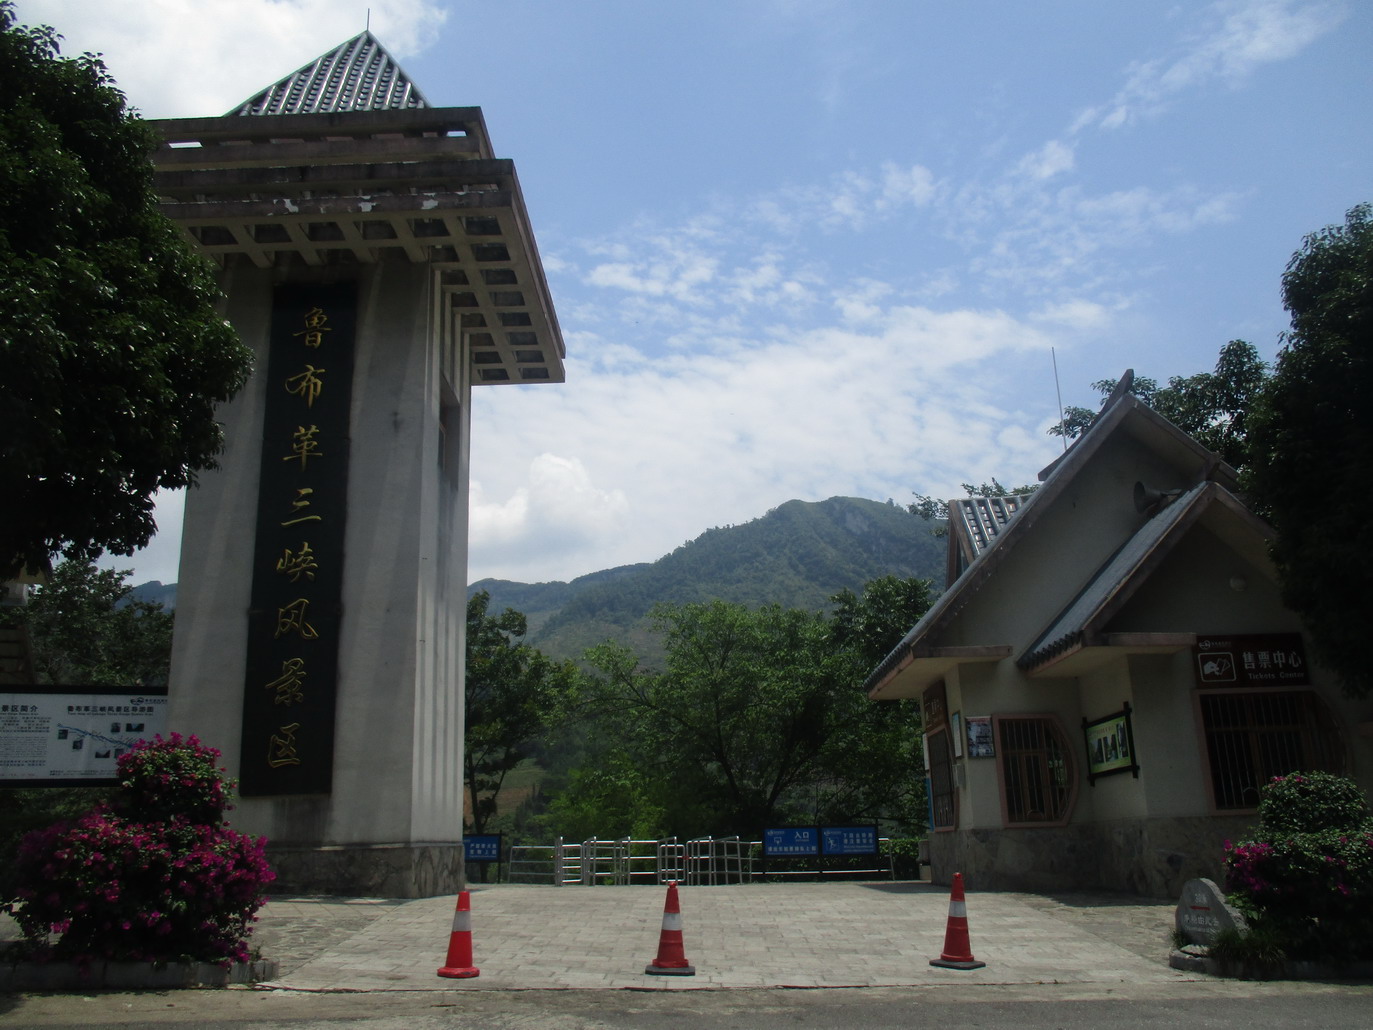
850	840
485	848
791	840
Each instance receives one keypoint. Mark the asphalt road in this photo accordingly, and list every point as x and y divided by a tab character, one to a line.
1199	1004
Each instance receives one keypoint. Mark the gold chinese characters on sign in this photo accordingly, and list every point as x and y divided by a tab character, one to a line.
292	663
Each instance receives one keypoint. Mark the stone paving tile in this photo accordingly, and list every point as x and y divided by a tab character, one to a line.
805	935
764	935
309	928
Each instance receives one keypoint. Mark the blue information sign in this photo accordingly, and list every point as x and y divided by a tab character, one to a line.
850	840
791	840
482	849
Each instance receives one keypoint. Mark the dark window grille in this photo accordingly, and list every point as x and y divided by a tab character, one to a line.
1250	738
942	799
1035	771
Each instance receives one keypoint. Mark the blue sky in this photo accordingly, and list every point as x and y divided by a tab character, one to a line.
802	248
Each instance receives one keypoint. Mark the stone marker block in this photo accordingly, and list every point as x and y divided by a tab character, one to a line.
1203	912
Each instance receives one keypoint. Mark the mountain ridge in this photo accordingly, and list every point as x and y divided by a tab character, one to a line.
797	555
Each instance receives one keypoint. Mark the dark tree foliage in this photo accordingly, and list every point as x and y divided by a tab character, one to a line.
757	719
870	625
1311	445
85	627
112	355
1212	407
512	690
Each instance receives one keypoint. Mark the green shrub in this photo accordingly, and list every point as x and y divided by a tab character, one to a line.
1256	952
1310	802
1306	878
905	856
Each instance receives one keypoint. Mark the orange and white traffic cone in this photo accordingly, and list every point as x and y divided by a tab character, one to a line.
458	965
671	960
958	953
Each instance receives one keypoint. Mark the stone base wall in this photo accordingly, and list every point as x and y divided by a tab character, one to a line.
368	870
130	976
1149	857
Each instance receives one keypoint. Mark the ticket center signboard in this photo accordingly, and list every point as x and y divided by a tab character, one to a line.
65	736
1251	660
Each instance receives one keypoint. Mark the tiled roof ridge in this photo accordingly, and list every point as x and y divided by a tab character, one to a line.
357	75
984	517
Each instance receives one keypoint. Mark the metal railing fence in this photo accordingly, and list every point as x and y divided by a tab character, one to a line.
704	861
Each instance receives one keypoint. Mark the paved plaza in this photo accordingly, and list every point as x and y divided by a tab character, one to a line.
740	936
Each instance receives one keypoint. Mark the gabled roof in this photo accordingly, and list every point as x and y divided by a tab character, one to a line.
1123	413
1082	622
358	75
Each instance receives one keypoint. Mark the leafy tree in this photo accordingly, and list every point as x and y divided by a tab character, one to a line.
1311	444
85	627
1212	407
511	691
112	355
612	793
739	712
757	718
883	739
867	627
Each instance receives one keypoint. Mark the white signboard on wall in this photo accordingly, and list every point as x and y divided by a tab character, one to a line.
64	736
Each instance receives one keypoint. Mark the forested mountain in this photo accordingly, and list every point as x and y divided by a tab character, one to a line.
798	555
157	591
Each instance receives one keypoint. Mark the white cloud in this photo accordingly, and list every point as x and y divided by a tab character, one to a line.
213	54
1079	314
914	185
1054	158
557	508
1065	239
679	275
1236	37
697	439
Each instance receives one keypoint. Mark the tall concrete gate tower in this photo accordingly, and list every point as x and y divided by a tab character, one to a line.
379	260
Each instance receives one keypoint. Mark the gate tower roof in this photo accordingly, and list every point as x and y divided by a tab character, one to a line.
353	166
357	75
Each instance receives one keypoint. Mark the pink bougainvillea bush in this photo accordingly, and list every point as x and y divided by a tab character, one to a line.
1306	877
176	776
155	875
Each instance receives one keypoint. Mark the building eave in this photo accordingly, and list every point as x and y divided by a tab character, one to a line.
919	670
350	188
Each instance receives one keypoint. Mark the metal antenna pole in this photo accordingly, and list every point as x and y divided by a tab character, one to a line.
1058	390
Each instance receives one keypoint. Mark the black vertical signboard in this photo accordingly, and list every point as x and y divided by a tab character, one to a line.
293	620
